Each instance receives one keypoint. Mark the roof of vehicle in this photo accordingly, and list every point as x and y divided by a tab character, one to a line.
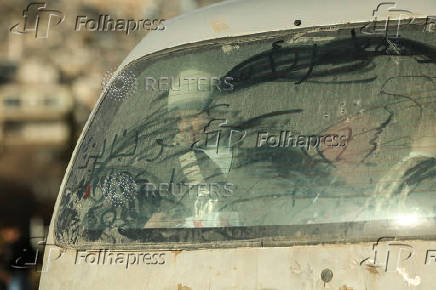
245	17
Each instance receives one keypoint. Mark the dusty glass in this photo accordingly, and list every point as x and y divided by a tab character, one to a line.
248	138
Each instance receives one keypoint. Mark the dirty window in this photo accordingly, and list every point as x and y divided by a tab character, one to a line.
320	126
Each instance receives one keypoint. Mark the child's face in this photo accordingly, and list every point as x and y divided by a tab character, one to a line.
191	124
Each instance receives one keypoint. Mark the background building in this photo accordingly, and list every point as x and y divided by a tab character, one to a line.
48	86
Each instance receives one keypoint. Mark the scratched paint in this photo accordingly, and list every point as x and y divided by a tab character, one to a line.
248	268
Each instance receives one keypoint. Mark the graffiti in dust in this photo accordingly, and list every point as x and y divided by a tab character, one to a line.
106	198
334	58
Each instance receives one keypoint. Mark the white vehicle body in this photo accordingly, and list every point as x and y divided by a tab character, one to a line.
381	258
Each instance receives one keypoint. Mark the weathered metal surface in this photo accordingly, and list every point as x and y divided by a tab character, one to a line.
236	18
398	265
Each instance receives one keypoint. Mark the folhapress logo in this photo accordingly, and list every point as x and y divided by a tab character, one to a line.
107	23
37	19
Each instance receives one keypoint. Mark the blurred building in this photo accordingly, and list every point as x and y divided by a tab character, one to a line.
34	110
49	86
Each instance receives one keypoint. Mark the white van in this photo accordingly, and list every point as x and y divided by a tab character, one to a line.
259	145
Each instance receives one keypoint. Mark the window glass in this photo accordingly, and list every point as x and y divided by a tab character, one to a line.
11	102
260	135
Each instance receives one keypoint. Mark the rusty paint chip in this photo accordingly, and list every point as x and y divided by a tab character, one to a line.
177	252
181	287
218	24
372	269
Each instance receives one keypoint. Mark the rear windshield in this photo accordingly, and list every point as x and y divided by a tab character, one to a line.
259	138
